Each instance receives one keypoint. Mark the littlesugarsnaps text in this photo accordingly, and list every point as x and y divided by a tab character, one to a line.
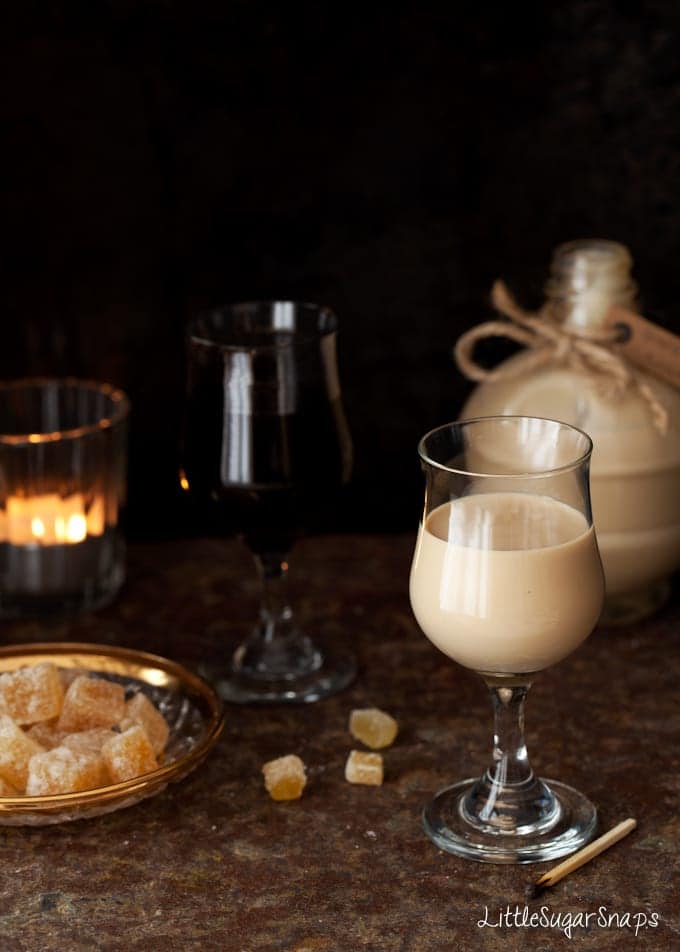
527	917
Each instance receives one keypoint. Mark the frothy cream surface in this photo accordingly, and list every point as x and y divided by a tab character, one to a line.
506	582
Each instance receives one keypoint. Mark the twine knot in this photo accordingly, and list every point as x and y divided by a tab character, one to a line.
551	343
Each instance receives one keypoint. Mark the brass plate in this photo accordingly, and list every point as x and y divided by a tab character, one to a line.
191	707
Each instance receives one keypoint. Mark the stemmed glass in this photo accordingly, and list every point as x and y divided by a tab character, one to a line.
266	438
506	580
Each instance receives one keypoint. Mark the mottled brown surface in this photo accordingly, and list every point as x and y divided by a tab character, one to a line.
213	863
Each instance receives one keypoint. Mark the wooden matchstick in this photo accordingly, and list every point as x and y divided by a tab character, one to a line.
583	856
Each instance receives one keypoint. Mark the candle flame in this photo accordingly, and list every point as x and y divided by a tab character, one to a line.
76	528
37	527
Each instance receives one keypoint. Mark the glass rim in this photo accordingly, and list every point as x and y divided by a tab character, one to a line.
233	308
120	400
541	474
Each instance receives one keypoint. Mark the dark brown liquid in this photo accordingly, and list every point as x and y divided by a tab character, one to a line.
271	474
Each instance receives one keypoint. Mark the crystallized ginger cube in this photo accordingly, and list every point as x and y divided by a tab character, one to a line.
46	734
88	742
284	778
64	771
32	694
139	710
365	768
129	754
16	749
373	727
91	702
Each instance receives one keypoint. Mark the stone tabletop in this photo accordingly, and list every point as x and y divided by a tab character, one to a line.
213	863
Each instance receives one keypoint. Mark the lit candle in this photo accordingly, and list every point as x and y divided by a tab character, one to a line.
51	519
51	542
62	486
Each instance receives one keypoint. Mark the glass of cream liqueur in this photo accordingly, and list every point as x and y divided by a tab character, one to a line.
507	580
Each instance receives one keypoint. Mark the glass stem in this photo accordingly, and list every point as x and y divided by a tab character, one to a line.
510	764
508	797
276	649
276	615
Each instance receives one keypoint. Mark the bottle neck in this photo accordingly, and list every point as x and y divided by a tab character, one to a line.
586	279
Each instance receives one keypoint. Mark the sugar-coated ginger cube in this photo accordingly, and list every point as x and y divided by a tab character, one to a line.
91	702
140	710
62	770
7	790
88	742
129	754
46	733
364	768
285	778
16	749
32	694
373	727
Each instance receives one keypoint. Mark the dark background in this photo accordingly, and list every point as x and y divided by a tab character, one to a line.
388	160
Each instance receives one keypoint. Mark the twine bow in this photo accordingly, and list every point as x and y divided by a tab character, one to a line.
589	351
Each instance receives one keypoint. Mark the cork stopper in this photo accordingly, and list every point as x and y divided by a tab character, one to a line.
586	278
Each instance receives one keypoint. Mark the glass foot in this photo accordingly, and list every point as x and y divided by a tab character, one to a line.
334	670
445	823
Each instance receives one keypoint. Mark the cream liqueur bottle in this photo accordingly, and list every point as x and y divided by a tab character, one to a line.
635	475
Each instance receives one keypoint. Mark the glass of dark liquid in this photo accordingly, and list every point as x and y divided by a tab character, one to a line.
266	440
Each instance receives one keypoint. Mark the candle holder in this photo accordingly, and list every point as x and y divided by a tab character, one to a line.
62	485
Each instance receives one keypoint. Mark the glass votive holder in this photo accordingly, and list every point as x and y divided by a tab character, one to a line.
63	452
